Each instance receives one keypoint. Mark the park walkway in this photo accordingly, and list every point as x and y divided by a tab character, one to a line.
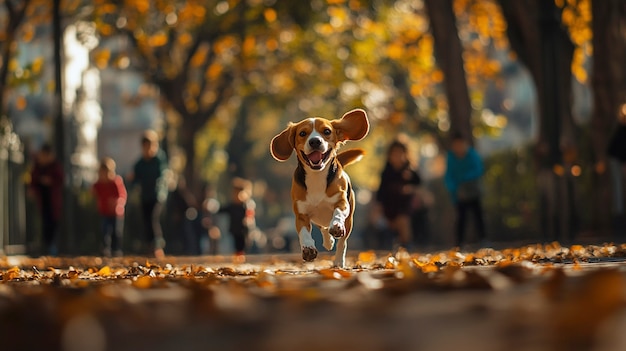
524	298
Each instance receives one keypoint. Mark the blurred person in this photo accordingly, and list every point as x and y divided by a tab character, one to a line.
376	234
241	212
149	173
397	191
464	170
184	210
111	199
47	187
420	216
210	205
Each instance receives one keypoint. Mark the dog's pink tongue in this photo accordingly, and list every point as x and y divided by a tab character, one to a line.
315	156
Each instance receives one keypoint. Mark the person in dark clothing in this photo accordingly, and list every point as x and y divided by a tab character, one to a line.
241	211
398	187
186	214
464	168
47	187
149	174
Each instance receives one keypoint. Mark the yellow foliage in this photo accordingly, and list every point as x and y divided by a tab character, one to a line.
199	12
29	33
437	76
142	6
338	16
37	65
213	71
324	29
199	58
576	16
224	44
105	29
248	45
271	44
101	58
303	66
417	89
158	39
184	38
107	8
270	15
395	50
568	16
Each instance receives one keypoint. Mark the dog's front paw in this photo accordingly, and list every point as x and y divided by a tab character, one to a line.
309	253
337	230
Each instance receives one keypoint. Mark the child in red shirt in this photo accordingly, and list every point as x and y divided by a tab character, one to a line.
111	198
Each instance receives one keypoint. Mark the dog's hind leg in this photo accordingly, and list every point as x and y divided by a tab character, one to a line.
340	254
328	240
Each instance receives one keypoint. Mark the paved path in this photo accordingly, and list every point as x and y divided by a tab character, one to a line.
529	298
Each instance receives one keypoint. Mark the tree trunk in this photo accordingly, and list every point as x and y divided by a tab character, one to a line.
449	57
239	146
609	89
186	141
544	47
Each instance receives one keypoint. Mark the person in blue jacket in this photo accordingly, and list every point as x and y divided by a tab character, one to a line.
464	170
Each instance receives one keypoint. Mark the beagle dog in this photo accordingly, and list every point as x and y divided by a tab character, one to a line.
321	191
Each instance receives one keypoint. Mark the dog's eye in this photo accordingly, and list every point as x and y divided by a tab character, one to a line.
302	133
327	131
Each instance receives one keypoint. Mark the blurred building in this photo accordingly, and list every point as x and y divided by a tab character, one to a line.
105	109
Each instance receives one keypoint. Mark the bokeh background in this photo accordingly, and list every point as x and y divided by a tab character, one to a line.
539	85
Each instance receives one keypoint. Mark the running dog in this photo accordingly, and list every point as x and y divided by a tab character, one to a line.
321	191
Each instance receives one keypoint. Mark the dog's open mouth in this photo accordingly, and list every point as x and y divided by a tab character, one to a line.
316	159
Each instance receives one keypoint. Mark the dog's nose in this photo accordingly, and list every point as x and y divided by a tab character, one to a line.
315	142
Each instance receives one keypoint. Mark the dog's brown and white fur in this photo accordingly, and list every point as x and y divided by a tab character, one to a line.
321	191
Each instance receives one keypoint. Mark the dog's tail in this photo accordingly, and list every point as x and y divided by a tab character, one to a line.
350	156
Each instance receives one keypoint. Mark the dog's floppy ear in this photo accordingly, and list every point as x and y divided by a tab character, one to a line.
282	145
353	125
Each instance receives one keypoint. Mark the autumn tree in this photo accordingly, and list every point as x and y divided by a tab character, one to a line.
449	57
13	17
542	43
198	53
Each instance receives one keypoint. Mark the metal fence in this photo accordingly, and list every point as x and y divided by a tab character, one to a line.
12	192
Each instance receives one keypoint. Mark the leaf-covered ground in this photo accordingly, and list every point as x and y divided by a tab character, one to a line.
528	298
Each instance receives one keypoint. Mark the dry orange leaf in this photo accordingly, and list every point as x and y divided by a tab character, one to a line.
337	274
12	273
430	268
143	282
104	271
367	256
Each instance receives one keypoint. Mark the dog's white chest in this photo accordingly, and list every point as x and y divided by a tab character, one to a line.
317	204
